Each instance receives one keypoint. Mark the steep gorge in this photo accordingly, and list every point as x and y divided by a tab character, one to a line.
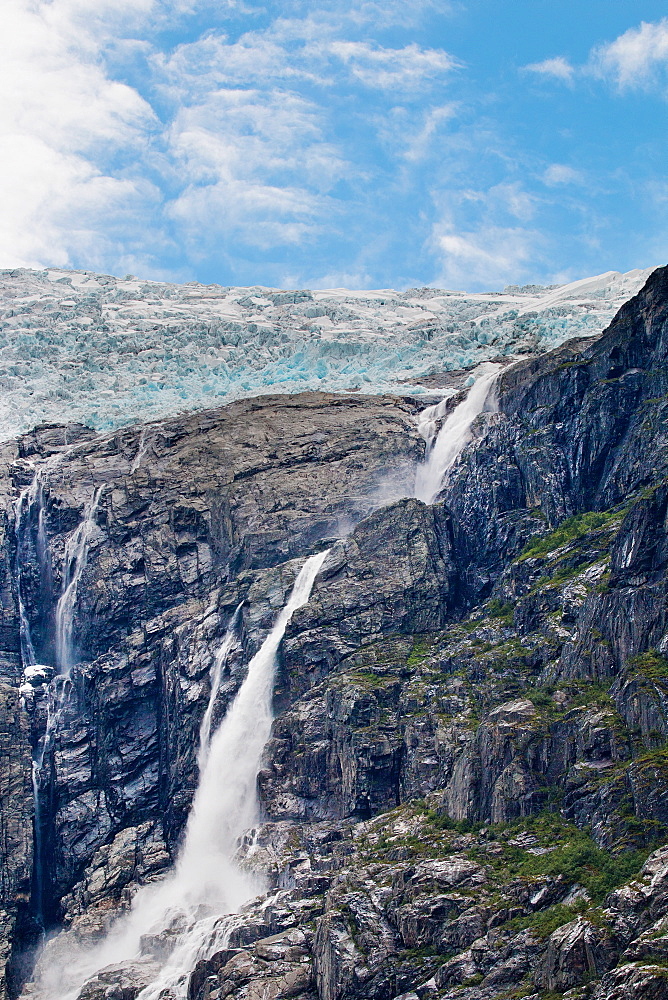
471	706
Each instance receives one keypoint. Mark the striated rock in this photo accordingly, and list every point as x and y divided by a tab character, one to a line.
641	981
118	983
576	952
16	837
497	659
169	558
133	857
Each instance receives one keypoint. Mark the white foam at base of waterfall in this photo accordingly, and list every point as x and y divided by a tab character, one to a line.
206	884
444	448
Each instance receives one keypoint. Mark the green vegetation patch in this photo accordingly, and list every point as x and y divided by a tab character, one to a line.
544	922
502	611
420	651
442	822
581	861
651	665
571	853
570	530
563	574
589	694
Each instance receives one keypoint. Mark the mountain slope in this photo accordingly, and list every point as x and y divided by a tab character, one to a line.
465	791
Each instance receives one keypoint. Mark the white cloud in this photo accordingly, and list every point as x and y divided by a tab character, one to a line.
62	118
480	238
558	68
509	197
656	192
240	143
389	69
560	173
255	165
198	68
414	134
421	143
635	58
258	158
379	13
487	258
294	51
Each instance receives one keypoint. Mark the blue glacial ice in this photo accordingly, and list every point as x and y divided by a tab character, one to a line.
105	351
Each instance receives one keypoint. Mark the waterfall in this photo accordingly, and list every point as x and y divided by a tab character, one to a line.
76	550
219	816
56	695
31	496
206	884
444	448
142	449
74	562
38	837
23	505
28	497
219	661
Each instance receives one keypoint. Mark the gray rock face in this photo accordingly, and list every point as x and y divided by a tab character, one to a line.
15	832
576	951
496	658
194	515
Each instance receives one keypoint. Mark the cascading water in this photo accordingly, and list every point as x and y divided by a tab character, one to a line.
219	816
76	551
22	510
31	496
74	562
23	505
444	448
219	661
142	449
206	884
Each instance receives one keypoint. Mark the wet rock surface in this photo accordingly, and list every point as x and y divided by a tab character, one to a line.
465	792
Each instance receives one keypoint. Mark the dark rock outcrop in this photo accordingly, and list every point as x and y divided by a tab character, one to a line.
498	658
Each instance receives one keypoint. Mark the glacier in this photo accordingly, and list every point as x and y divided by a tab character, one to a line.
77	346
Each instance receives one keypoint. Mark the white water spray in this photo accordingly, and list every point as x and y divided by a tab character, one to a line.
206	884
74	562
225	803
31	496
23	505
444	448
142	450
219	661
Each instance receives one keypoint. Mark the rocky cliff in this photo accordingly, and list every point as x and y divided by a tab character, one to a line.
465	792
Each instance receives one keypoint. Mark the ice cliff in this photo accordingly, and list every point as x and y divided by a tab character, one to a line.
104	351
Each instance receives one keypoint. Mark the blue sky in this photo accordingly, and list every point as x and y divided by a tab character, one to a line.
364	144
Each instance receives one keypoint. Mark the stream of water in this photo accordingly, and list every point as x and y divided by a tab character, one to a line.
196	903
444	447
74	562
206	883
